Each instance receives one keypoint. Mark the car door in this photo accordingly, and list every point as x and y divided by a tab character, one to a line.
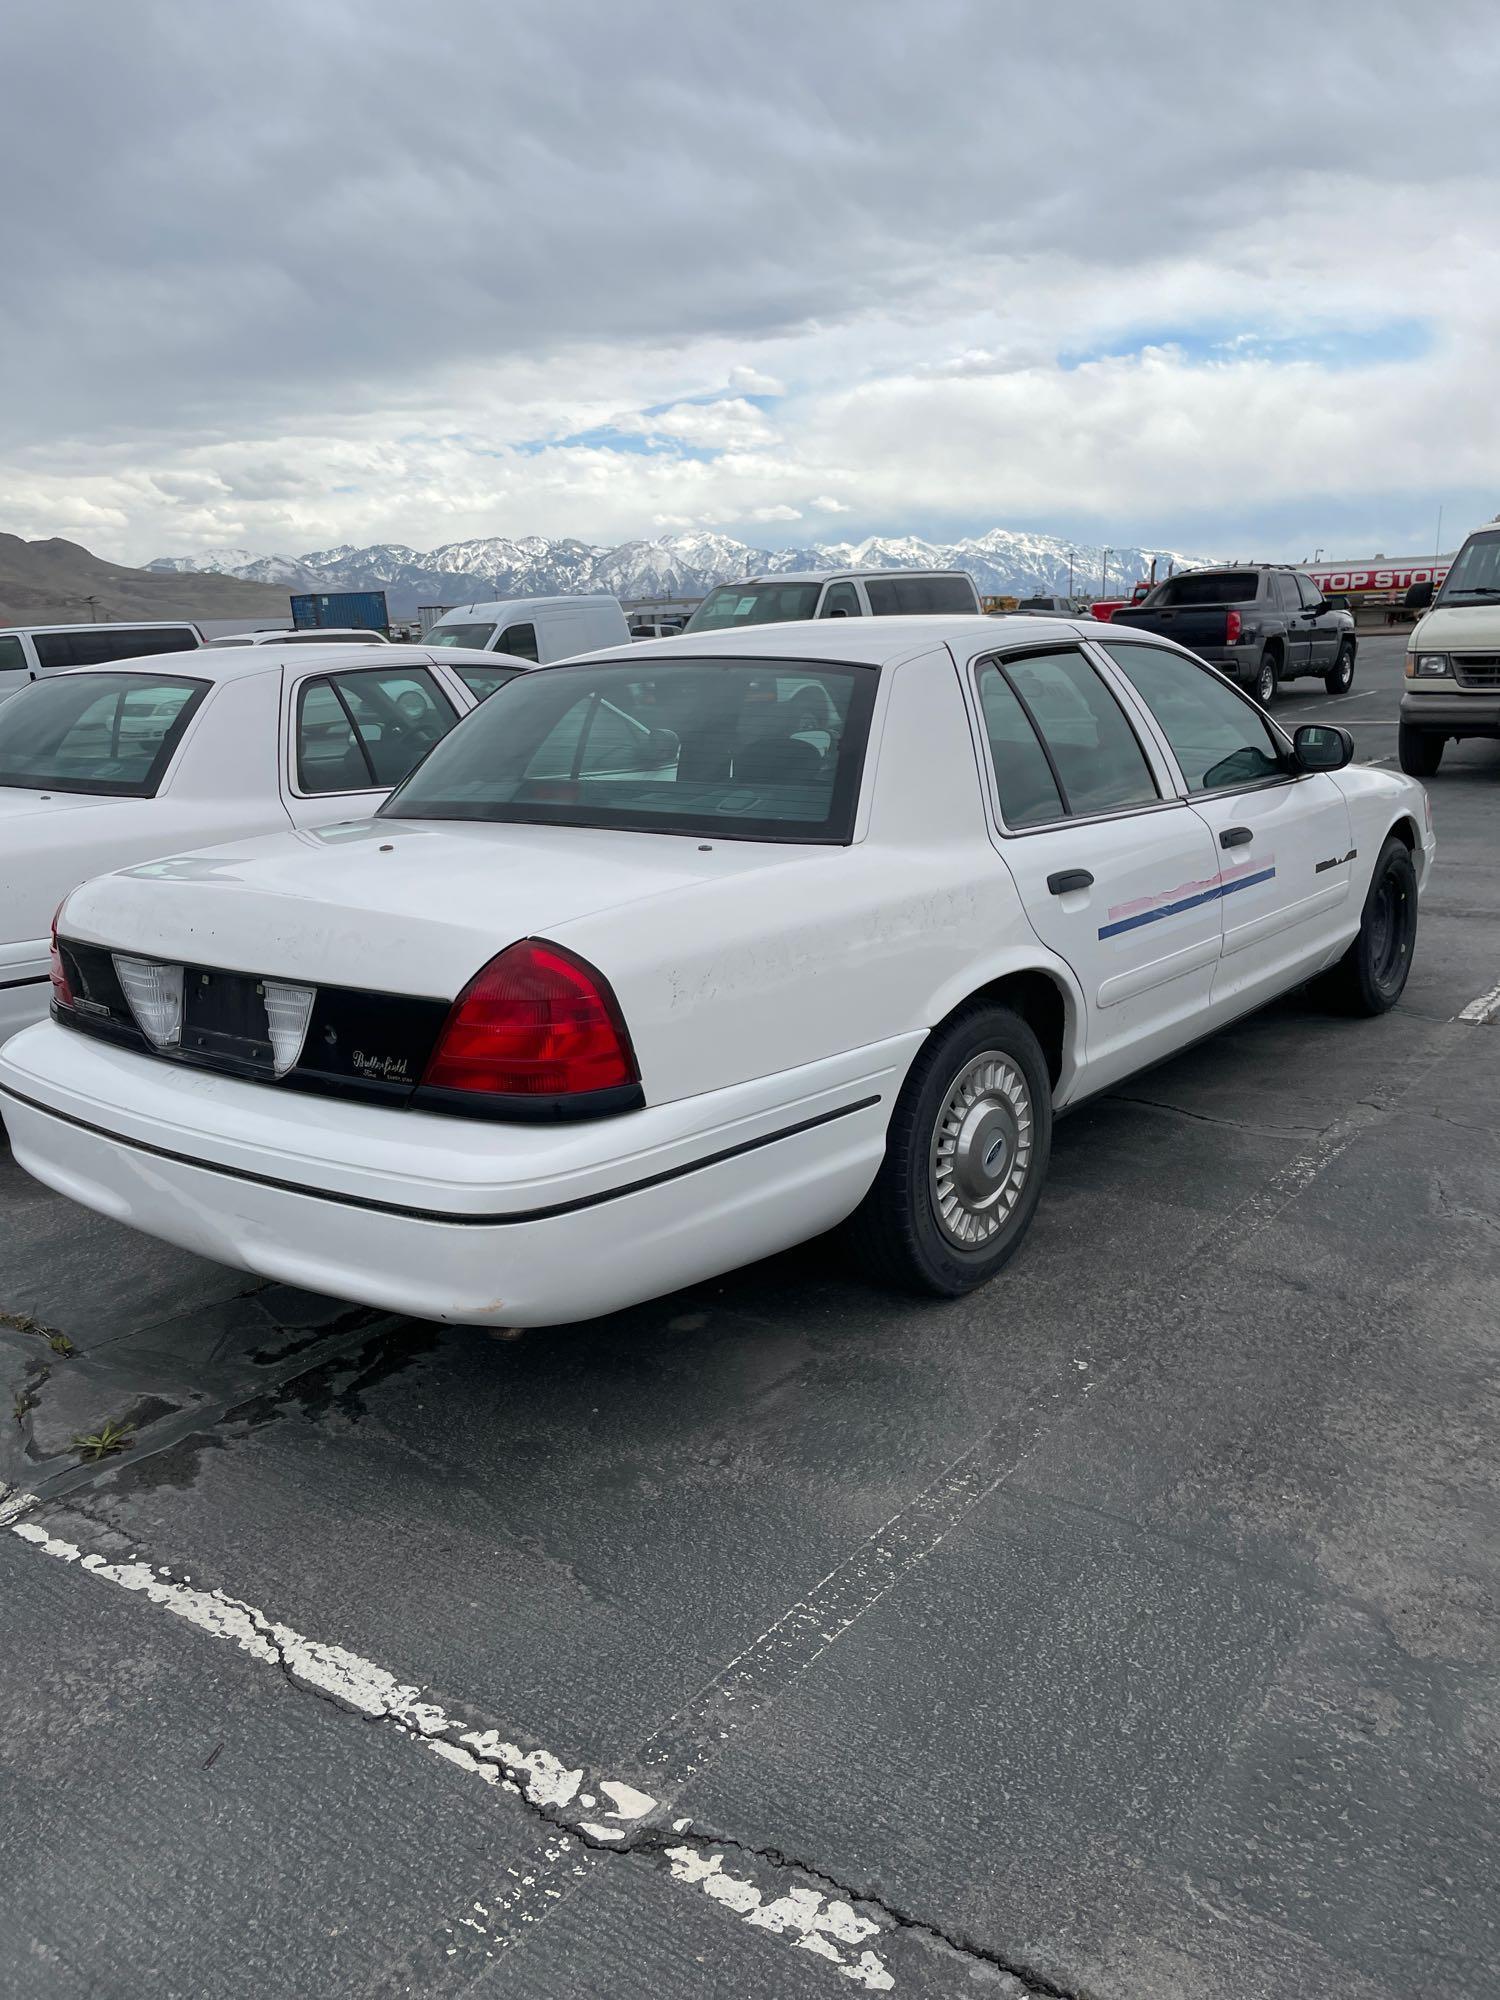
1321	625
1288	603
353	734
1116	872
1282	838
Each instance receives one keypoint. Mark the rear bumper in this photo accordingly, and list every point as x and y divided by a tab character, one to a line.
1452	714
447	1218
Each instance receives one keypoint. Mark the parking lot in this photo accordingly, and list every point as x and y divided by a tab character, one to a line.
1128	1628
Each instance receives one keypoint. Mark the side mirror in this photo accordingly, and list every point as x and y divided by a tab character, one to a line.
659	749
1418	597
1320	746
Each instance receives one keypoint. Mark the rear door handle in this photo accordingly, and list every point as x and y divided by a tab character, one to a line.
1069	878
1236	836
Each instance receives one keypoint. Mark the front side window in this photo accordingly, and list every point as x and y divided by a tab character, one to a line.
113	734
476	637
747	750
13	656
892	596
734	605
841	601
365	731
520	640
1312	597
1094	761
1218	739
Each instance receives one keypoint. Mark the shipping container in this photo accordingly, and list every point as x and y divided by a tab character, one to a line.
363	609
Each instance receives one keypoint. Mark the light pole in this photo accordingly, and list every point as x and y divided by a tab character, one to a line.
1104	573
1070	572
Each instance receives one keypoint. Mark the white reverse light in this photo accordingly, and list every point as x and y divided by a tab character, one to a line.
155	995
288	1011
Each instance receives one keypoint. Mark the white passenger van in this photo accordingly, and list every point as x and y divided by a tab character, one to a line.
837	593
534	628
28	651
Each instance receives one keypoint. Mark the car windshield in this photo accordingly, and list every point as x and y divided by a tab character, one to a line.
735	604
1230	586
746	750
1475	571
477	636
107	733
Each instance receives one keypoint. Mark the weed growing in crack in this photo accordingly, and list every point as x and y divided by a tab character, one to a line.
91	1446
28	1323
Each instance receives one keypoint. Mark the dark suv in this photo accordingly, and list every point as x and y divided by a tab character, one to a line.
1258	623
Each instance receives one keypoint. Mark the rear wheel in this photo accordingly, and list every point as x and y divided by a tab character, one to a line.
1420	751
1369	978
1340	676
1267	678
966	1155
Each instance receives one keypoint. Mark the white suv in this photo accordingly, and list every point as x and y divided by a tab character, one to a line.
1453	659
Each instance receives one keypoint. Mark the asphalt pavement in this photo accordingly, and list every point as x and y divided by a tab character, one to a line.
1129	1629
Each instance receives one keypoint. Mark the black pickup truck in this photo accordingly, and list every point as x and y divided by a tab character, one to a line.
1257	623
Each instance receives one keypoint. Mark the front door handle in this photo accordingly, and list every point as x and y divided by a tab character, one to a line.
1069	878
1236	836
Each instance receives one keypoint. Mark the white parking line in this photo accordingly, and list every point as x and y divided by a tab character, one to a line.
1485	1008
807	1919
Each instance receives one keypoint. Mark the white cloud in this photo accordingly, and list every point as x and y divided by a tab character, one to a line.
752	382
777	513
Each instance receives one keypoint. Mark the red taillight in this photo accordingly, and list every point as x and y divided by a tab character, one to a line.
1231	628
62	992
536	1022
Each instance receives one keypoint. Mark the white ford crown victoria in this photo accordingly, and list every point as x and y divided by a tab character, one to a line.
145	757
664	961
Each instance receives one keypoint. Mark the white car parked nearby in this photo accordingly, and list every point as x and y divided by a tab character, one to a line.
119	764
667	960
539	629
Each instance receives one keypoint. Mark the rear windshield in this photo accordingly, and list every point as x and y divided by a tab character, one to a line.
1228	586
482	681
93	645
477	636
735	604
891	596
107	733
746	750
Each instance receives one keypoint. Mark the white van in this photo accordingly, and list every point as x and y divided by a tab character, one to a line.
534	628
28	651
837	593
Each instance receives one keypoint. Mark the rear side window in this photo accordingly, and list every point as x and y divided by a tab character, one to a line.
892	596
13	656
113	734
742	749
1094	762
1218	739
366	730
1285	587
482	681
96	645
520	640
1230	586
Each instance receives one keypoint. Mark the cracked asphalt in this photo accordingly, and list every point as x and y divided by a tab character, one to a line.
1130	1629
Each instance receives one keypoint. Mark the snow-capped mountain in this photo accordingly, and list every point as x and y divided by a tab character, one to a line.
1001	561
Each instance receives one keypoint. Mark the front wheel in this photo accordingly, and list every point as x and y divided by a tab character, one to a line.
1340	676
1266	678
1371	975
1420	751
965	1158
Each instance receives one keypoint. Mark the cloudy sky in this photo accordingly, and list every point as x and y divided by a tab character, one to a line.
300	272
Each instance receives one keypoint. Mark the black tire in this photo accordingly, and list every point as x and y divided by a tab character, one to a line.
1340	676
899	1234
1371	975
1267	679
1420	751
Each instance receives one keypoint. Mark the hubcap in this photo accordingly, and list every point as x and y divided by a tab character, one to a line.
981	1150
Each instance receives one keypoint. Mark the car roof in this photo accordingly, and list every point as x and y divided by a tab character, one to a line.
507	607
236	663
111	624
839	575
871	642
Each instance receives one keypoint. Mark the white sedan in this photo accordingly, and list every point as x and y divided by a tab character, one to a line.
147	757
661	962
